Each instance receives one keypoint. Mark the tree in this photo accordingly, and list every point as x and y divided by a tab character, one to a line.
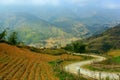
3	35
105	47
69	47
78	47
13	39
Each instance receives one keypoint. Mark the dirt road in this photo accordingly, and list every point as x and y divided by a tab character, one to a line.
77	67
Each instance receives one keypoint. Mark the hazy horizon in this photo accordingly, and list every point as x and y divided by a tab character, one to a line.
106	4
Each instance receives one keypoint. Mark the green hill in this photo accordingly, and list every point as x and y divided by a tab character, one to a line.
101	43
56	31
32	29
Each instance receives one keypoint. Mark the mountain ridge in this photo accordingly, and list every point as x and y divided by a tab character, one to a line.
33	29
110	39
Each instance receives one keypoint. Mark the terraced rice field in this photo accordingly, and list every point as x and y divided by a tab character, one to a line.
22	64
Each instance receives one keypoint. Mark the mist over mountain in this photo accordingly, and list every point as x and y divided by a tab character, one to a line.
58	22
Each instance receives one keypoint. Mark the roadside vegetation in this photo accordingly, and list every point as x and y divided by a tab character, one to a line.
59	64
78	47
47	50
112	64
58	68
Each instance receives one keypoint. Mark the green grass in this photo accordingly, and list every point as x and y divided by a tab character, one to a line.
101	69
59	71
47	51
114	53
58	68
111	61
110	65
116	60
54	51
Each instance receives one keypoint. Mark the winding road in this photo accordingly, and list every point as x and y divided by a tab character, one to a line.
75	68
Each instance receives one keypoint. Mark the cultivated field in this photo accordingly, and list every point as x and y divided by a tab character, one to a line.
22	64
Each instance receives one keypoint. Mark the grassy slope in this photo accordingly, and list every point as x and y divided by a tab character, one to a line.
33	29
109	42
26	58
112	64
102	43
114	53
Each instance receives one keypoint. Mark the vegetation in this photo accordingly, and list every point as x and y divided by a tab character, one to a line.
101	43
58	69
112	64
77	47
54	51
114	53
21	63
106	41
12	39
62	26
47	50
3	35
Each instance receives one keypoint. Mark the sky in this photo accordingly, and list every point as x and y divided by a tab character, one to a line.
109	4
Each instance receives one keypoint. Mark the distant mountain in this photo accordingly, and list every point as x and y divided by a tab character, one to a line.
30	28
54	27
109	39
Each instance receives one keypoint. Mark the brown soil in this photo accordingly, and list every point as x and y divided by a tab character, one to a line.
20	63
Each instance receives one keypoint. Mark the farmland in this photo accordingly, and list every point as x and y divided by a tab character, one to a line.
22	64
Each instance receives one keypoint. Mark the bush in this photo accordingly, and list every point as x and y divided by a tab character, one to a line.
76	47
12	39
54	51
3	35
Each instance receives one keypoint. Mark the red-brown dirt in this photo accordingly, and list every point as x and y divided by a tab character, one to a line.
22	64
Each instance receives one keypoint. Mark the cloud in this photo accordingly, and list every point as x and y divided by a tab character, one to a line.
43	2
29	2
110	4
4	2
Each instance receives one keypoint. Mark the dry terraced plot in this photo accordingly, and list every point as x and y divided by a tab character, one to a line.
22	64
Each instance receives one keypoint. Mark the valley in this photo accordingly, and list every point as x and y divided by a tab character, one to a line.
59	40
62	29
23	62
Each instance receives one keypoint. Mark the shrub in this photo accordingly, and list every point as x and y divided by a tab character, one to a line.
3	35
76	47
12	39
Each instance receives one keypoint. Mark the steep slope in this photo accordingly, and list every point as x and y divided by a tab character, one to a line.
109	39
53	26
22	64
73	23
57	31
78	21
30	28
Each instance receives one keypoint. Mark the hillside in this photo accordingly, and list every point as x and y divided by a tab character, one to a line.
20	63
109	39
61	29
